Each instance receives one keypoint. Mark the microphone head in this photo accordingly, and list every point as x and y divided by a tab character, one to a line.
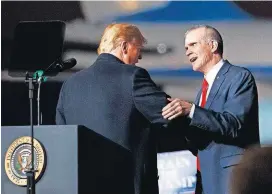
68	64
59	66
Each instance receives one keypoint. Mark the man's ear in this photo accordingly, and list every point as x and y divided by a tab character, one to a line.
214	46
124	47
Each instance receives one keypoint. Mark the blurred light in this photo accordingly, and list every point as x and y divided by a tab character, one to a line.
129	5
161	48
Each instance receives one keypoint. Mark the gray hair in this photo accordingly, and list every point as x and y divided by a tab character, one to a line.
211	34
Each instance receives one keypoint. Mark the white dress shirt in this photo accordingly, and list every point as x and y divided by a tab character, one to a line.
210	77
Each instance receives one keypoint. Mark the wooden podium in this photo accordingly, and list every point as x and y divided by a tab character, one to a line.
77	161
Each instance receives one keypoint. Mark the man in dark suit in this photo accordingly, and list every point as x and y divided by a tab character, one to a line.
224	116
118	100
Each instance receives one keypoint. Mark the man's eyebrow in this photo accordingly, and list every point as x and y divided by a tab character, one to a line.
191	43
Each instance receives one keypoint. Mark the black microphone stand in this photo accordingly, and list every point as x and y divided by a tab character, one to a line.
31	172
31	80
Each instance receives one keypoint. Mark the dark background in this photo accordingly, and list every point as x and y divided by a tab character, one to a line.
15	102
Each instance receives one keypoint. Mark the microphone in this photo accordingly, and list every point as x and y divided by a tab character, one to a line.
56	67
67	64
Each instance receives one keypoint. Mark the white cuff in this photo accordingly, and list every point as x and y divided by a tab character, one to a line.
192	111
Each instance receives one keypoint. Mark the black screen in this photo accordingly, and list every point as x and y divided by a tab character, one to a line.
36	46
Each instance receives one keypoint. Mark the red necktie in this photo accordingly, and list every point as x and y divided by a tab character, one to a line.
205	87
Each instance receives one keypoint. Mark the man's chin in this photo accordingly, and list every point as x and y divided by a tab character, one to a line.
195	67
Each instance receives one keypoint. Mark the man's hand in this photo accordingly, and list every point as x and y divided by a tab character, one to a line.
175	108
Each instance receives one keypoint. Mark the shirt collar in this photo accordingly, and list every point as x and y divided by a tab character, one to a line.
213	72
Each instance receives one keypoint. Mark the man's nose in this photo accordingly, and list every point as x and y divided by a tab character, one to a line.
140	56
188	52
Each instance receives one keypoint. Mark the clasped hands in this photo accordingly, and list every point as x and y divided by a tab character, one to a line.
175	108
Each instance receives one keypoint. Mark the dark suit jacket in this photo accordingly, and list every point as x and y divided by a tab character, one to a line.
226	126
123	104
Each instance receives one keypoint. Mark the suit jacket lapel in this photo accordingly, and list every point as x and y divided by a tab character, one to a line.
197	99
220	77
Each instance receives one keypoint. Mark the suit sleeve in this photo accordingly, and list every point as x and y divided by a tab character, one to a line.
60	119
148	98
241	102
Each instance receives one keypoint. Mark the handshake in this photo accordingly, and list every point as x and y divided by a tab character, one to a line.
176	108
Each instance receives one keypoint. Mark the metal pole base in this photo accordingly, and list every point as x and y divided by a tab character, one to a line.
30	182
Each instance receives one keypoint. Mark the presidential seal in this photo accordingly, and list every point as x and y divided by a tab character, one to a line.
18	160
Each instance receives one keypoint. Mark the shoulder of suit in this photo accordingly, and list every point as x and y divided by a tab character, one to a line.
75	76
238	69
134	69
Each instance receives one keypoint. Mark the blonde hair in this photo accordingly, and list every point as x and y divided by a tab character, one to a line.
114	34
